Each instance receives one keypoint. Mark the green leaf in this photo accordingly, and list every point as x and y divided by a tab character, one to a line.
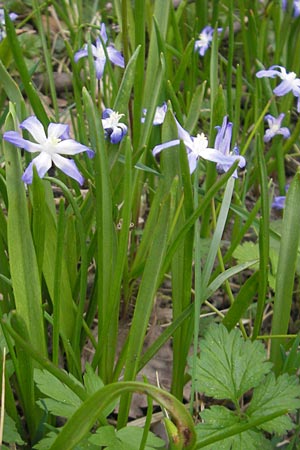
218	418
62	400
26	283
92	381
10	433
274	395
48	440
88	413
57	408
229	366
125	438
248	251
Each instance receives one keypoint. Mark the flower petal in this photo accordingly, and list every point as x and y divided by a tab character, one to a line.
115	56
118	133
58	130
267	73
70	147
35	128
42	163
99	66
214	155
158	148
15	138
103	32
283	88
183	134
279	202
81	53
69	167
285	132
192	159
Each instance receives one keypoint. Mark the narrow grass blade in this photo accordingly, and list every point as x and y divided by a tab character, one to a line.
144	303
285	275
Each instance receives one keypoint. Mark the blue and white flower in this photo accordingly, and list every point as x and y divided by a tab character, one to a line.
114	129
296	7
197	147
99	54
279	202
289	83
223	143
205	39
275	127
159	116
50	147
12	17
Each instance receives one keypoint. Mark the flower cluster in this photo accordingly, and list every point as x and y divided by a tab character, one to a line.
50	147
12	17
99	53
289	83
205	39
197	147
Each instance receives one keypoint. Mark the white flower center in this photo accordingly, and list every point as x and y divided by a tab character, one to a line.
113	120
290	76
204	39
274	128
50	144
200	143
100	52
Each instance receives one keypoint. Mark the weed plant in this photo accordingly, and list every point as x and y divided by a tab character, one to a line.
146	145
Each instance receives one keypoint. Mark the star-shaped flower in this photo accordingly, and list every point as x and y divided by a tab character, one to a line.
275	127
50	147
99	54
197	147
12	17
112	127
289	82
205	39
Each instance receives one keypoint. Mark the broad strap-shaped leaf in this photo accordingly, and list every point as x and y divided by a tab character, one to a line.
22	257
229	366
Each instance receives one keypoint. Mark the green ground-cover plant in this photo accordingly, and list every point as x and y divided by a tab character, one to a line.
154	166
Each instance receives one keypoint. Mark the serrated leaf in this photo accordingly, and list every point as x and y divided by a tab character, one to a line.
57	408
48	440
274	395
228	365
10	433
217	418
125	438
133	436
92	381
247	251
62	400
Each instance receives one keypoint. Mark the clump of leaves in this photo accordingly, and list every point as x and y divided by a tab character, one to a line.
227	369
